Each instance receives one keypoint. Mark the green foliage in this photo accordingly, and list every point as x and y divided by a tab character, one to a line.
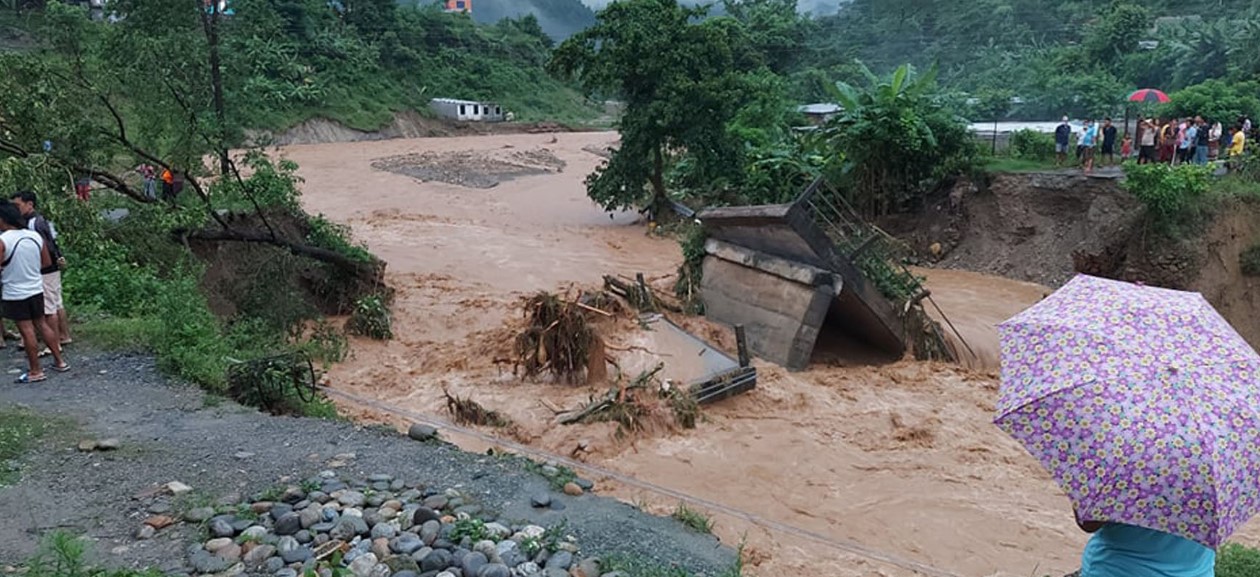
1173	195
474	529
1234	560
693	519
19	429
1032	145
1216	100
62	554
690	272
682	82
370	318
897	140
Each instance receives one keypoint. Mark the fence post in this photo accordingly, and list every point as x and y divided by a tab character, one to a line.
741	343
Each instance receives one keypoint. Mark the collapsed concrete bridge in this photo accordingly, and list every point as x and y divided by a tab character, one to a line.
793	274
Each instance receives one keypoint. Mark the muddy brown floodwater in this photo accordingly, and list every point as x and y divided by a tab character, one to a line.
902	458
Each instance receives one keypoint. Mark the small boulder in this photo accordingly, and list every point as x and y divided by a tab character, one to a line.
421	432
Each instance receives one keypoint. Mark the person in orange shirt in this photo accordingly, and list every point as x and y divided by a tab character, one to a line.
168	184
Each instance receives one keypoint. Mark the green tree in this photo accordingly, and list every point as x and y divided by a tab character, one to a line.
681	80
896	138
1117	32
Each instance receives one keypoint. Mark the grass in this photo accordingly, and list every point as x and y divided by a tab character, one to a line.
117	334
1234	560
19	430
693	519
558	480
63	554
632	566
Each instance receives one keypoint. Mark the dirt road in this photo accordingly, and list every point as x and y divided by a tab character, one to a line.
901	458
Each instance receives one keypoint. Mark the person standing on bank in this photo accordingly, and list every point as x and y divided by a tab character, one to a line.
54	306
22	293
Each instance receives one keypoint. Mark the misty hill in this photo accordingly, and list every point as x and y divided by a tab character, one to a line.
558	18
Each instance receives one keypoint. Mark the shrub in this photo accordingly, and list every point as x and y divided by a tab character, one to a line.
1234	560
1172	194
370	318
1032	145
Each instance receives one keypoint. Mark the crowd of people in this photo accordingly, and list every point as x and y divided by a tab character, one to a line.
30	284
1171	140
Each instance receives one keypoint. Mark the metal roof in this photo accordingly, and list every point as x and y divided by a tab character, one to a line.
458	101
819	108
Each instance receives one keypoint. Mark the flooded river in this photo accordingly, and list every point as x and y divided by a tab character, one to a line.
901	459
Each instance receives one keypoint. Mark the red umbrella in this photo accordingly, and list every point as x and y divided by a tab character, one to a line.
1148	95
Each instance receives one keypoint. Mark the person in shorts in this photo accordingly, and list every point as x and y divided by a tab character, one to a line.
1062	139
22	293
1089	139
28	205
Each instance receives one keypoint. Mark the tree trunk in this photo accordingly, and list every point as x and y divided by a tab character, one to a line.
658	184
210	22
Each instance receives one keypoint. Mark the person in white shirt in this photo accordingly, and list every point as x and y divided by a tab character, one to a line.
22	290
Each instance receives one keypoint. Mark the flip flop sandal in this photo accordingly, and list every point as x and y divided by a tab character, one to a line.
62	368
27	378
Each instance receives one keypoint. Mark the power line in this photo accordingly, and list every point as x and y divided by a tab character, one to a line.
844	545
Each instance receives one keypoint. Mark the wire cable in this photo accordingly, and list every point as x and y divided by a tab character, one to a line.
844	545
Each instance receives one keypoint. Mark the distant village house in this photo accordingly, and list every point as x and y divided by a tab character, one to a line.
819	113
464	6
467	110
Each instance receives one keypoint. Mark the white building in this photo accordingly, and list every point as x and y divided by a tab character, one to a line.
467	110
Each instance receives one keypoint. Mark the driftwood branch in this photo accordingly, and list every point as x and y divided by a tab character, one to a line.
615	394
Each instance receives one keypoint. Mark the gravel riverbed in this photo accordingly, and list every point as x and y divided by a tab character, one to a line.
190	485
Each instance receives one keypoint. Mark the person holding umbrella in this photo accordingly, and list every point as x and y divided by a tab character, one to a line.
1143	404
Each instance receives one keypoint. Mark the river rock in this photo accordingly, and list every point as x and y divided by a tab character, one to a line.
279	510
363	564
303	536
400	563
572	489
286	572
406	543
588	567
380	547
421	432
310	516
255	533
560	560
540	500
145	532
217	543
494	570
436	502
232	552
553	572
528	568
384	531
297	555
199	514
288	524
473	562
445	574
220	527
318	497
424	514
292	495
205	562
259	555
429	531
352	499
585	484
274	565
437	560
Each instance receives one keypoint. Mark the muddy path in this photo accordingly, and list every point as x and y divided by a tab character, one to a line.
902	459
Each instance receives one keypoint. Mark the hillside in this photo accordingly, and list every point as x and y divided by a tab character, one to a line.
1060	57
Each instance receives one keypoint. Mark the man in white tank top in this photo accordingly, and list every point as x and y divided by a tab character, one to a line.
22	289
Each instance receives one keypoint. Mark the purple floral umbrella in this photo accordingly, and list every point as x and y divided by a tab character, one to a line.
1141	402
